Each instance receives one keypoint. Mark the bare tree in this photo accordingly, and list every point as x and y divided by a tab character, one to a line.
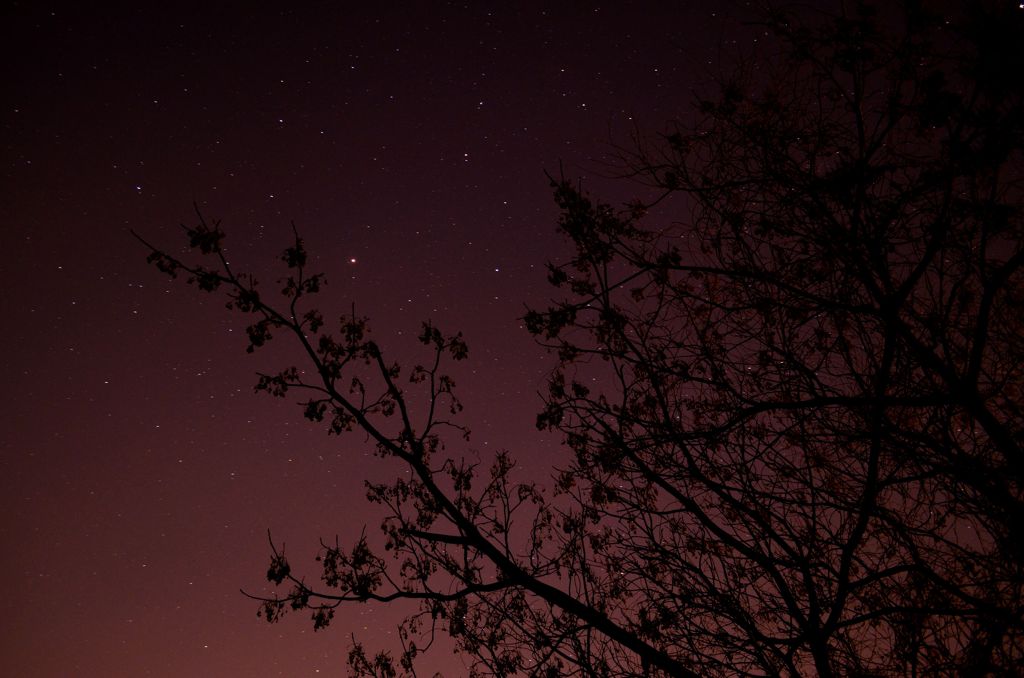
792	406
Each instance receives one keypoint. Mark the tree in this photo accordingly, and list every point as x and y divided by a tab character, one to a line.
792	415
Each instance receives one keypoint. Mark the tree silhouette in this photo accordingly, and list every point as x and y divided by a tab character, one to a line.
789	390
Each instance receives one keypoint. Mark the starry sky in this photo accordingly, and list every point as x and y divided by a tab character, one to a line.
408	142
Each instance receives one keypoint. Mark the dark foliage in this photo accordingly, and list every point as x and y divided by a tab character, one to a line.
792	413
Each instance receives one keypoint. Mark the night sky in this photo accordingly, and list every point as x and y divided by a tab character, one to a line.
408	143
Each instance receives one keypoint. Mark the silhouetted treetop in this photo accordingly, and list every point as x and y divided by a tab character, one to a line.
789	388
